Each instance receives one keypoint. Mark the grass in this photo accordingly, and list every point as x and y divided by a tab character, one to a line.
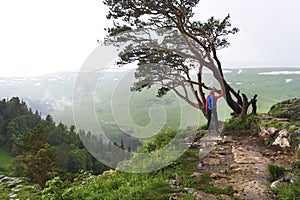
5	161
152	185
287	190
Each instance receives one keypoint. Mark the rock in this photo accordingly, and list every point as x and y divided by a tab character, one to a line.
173	182
221	183
225	197
264	133
11	185
285	142
272	130
196	175
200	195
177	195
290	178
235	168
217	176
282	139
212	161
5	179
194	192
242	155
198	165
12	196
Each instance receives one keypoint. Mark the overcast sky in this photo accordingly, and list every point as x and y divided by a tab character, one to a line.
43	36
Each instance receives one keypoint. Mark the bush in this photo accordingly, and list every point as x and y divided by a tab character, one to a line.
53	189
241	123
282	114
276	171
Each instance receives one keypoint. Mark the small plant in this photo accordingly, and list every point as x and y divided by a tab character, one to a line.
276	171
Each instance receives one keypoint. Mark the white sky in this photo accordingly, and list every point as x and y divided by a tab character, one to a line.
43	36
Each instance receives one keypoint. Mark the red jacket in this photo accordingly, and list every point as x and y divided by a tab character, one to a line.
209	98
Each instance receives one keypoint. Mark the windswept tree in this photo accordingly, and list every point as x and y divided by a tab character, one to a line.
169	46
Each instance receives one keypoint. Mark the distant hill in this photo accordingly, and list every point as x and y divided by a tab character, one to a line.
52	93
47	93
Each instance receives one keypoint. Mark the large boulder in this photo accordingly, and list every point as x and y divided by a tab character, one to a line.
282	139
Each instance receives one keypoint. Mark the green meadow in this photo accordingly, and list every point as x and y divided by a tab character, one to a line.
116	109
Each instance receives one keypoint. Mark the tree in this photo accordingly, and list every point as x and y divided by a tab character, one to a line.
169	44
37	161
79	159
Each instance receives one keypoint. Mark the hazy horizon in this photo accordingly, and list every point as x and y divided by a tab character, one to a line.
35	41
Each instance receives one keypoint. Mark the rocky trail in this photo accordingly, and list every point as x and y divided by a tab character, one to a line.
239	160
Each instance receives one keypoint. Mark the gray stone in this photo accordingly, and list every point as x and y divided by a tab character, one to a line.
282	139
11	185
290	178
5	179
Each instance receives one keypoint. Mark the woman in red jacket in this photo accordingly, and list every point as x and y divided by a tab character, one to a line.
211	109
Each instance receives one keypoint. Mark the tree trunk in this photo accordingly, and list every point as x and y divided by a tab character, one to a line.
239	106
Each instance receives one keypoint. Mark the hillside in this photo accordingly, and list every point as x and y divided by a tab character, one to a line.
256	157
53	93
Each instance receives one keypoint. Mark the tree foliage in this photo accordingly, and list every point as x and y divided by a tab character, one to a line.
169	43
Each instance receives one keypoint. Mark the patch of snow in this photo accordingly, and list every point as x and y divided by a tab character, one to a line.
288	80
240	71
239	83
227	71
15	82
34	79
37	84
20	79
279	73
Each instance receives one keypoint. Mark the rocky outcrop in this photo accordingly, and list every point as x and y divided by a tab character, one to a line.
283	138
287	109
239	160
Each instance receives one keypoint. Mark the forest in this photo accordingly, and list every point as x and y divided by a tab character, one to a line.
40	148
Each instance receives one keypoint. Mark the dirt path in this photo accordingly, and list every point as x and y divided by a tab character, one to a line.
239	159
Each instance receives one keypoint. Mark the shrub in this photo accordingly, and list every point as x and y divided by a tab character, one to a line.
241	123
53	189
160	140
276	171
282	114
